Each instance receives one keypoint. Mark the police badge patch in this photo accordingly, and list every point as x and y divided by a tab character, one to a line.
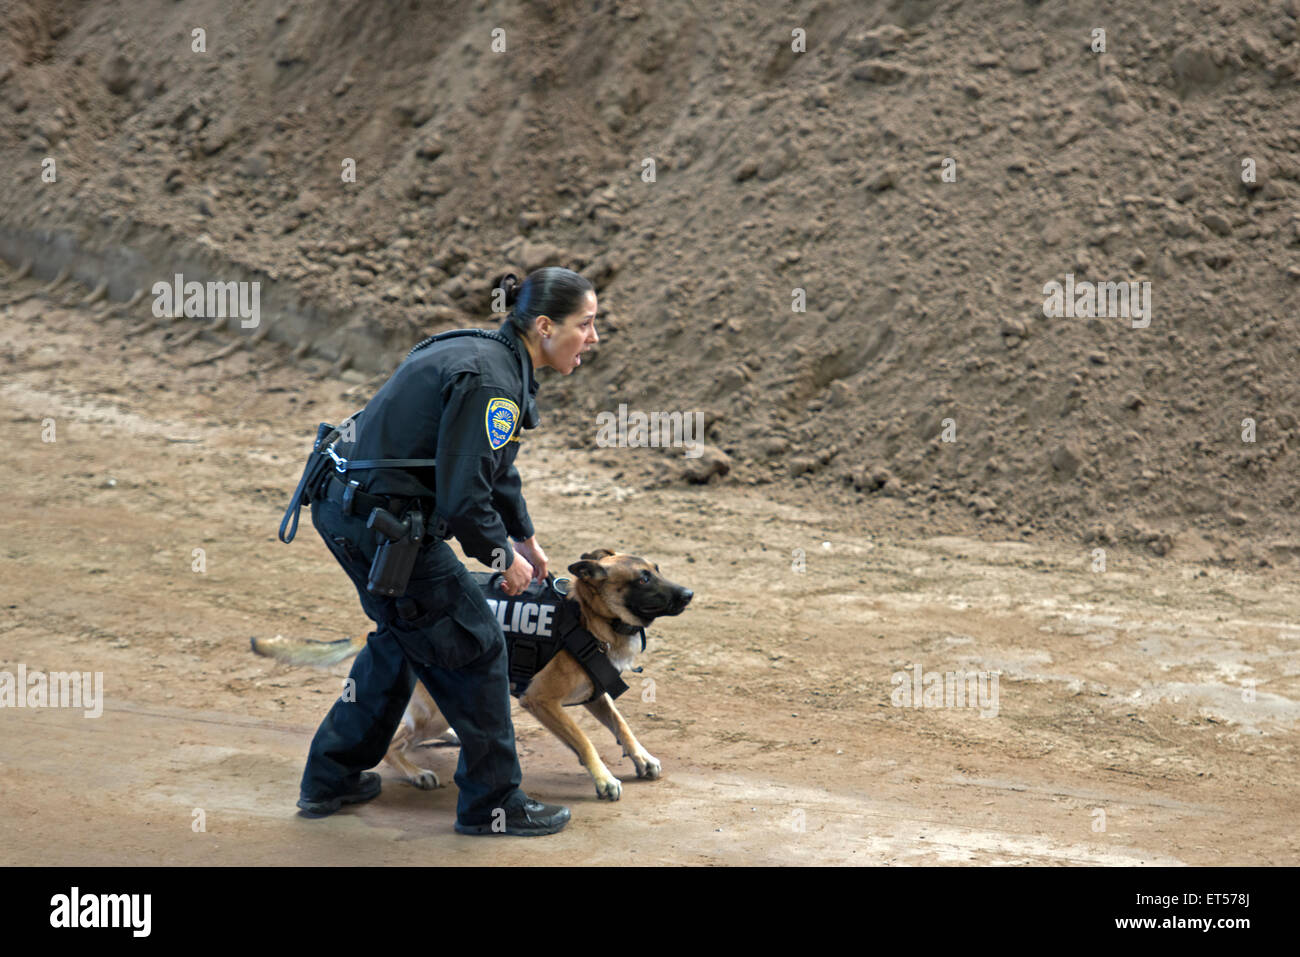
502	414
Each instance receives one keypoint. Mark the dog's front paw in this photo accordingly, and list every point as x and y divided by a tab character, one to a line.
647	765
425	780
609	789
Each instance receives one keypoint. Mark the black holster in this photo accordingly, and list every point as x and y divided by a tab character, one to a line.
395	558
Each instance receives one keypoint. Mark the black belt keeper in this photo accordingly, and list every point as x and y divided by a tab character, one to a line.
348	494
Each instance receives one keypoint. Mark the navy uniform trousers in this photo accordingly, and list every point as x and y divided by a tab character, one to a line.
454	645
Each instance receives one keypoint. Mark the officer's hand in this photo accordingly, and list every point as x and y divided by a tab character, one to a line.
533	552
517	575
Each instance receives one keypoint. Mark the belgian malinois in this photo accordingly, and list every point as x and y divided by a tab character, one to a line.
608	588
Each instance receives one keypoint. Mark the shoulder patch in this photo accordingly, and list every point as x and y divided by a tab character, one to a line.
499	421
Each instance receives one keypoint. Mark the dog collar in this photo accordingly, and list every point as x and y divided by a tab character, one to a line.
623	628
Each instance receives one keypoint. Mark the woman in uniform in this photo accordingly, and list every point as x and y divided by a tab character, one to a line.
457	406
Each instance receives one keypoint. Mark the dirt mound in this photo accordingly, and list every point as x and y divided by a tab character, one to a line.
916	177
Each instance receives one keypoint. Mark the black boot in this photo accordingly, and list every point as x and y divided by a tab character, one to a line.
524	819
367	788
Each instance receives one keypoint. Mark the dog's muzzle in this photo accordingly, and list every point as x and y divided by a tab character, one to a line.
675	605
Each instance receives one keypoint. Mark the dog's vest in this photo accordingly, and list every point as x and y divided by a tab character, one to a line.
538	622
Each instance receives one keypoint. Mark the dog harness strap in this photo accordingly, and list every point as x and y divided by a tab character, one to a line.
583	645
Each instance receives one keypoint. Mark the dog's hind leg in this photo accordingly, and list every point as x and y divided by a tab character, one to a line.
647	765
421	722
397	756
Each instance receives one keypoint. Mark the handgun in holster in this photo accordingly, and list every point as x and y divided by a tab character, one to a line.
391	569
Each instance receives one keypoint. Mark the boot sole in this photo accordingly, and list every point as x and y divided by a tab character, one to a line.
475	829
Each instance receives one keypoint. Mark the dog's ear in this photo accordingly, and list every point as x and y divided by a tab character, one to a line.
597	555
588	571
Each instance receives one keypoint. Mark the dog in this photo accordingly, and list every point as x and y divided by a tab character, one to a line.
609	588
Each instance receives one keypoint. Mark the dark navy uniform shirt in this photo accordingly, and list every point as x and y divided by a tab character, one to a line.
457	402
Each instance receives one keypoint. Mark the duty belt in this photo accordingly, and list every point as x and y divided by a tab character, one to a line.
349	495
356	502
347	492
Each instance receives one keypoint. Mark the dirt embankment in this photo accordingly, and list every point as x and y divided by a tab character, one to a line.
773	171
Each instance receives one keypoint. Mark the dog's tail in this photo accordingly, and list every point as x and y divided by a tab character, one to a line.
304	651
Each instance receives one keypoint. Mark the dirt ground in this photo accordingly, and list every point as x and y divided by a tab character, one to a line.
1127	727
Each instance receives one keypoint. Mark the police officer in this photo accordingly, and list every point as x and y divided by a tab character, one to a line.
455	402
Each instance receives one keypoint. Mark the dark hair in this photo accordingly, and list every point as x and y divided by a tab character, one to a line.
550	291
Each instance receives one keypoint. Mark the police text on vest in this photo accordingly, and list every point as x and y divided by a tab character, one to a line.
524	617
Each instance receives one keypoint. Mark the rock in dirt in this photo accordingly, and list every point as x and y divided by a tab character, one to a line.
1194	68
536	255
881	71
1066	459
115	73
712	461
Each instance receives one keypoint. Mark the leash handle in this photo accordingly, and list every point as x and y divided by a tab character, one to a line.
557	586
311	475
